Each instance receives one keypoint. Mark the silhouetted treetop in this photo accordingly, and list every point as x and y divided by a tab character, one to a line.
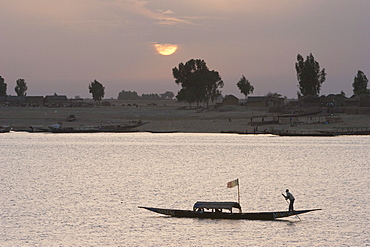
199	84
309	75
21	87
360	83
97	90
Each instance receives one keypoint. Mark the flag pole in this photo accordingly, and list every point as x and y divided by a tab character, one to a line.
232	184
238	193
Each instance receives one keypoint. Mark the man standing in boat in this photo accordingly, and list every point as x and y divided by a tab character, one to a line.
291	199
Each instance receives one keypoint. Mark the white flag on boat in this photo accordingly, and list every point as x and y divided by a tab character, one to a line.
233	183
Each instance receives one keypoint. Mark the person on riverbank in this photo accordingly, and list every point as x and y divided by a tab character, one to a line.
291	199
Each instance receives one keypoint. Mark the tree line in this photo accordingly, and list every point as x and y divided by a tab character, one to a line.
201	85
128	95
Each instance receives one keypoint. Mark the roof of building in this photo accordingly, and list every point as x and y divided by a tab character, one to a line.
256	98
230	96
56	96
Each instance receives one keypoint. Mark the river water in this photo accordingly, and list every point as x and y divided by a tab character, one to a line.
85	189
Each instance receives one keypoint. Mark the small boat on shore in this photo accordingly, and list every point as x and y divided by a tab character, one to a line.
79	129
59	128
5	128
38	128
306	133
215	210
121	127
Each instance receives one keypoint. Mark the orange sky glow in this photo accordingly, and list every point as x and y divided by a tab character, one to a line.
61	46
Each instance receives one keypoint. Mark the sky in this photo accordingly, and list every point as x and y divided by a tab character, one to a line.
60	46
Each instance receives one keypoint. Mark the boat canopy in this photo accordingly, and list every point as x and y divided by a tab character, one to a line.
217	205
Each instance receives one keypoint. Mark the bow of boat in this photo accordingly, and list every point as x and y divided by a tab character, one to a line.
283	214
159	210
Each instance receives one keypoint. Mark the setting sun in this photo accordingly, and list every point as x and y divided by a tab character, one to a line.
165	49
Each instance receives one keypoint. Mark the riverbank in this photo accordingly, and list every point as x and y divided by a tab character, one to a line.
172	116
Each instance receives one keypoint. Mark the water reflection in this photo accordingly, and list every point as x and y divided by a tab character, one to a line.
84	189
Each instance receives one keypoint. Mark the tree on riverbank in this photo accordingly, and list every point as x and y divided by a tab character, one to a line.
167	95
128	95
21	87
3	86
309	75
245	86
360	83
97	90
199	84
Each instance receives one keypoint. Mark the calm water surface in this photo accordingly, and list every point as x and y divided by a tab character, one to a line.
85	189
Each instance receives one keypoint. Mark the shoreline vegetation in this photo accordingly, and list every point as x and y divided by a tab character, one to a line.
169	116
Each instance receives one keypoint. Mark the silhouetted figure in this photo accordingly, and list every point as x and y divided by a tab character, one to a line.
291	199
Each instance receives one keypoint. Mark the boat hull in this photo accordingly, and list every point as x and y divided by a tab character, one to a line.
220	215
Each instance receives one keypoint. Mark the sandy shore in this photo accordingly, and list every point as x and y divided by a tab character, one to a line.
167	116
